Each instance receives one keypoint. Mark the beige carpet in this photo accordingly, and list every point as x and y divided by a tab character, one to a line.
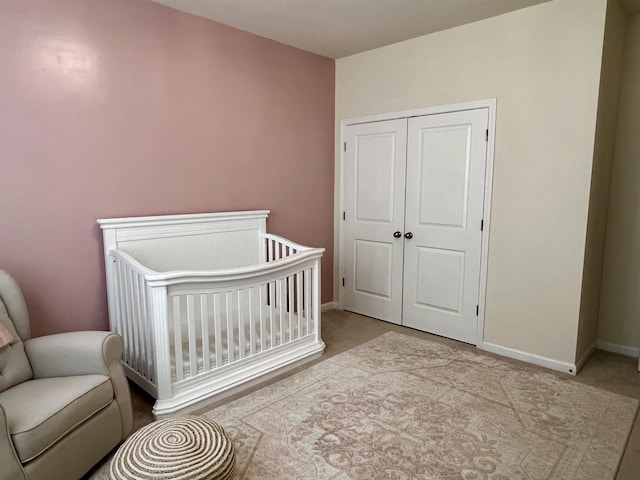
399	407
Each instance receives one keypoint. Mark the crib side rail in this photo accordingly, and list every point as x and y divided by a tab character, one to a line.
233	276
130	310
214	325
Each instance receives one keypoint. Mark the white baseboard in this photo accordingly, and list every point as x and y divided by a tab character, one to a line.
329	306
580	363
529	358
615	348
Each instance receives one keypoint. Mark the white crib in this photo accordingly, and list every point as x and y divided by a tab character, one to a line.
209	303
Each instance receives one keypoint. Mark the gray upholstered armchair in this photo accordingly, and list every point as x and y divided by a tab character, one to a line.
64	399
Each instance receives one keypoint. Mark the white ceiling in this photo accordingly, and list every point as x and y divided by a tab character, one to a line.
338	28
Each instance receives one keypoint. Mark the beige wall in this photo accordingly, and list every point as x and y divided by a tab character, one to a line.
620	298
614	36
542	64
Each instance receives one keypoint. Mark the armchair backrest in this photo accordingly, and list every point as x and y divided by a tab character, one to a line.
14	364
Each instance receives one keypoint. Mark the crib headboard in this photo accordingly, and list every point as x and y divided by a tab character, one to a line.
203	241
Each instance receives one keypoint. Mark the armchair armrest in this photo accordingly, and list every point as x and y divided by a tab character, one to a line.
83	353
74	353
11	468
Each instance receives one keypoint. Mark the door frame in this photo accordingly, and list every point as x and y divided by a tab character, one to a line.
489	104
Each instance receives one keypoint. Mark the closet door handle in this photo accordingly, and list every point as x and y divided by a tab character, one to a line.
397	234
408	235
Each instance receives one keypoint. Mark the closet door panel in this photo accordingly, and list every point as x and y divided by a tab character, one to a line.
374	182
446	160
439	283
444	176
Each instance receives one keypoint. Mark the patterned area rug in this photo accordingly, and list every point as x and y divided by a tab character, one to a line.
399	407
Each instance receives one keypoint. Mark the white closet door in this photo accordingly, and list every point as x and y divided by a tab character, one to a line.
446	157
375	164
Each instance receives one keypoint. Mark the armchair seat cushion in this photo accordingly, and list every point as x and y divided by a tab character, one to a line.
40	412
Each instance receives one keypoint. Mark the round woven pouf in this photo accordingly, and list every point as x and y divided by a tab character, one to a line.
182	448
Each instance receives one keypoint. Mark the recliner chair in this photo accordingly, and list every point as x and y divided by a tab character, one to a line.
64	399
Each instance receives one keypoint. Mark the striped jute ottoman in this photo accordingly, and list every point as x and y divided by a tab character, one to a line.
181	448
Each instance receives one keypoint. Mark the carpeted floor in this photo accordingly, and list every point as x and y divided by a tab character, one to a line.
399	407
437	409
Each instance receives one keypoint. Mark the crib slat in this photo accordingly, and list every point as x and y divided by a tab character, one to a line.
315	302
290	298
177	339
150	369
137	336
191	329
252	327
123	312
307	297
272	305
240	320
120	317
135	322
129	317
230	341
299	302
204	320
133	319
135	293
269	250
142	320
281	305
217	322
141	324
263	333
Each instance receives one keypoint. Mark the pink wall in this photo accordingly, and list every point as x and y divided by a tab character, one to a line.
126	108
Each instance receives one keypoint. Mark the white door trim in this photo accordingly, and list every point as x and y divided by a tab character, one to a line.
490	104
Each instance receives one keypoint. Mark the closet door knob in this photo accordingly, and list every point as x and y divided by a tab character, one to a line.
408	235
397	234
